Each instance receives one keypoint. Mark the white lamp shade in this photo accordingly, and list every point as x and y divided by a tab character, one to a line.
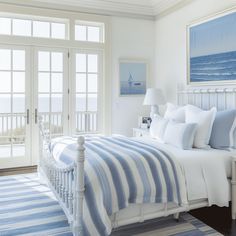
154	96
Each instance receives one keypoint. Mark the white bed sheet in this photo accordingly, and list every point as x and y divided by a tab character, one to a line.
205	171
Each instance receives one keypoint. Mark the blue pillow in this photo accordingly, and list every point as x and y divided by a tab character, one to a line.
223	130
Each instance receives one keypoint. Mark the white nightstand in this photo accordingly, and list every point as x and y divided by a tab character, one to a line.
233	184
139	132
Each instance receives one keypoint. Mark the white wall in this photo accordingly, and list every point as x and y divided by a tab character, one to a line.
131	38
170	42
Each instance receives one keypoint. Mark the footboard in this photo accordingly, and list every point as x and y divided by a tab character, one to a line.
67	184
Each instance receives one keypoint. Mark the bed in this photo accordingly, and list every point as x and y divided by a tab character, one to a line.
191	181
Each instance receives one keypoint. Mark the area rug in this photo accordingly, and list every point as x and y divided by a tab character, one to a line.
29	208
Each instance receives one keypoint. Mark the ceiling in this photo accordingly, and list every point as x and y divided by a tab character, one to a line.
141	8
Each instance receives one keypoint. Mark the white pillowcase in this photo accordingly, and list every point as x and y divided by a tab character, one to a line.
204	120
180	135
158	127
175	113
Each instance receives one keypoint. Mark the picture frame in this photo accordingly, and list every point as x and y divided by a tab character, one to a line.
133	77
208	51
144	122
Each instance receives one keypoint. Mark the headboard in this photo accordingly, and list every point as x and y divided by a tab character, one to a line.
221	98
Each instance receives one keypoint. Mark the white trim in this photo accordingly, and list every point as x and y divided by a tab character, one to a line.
9	162
101	94
70	45
93	7
148	11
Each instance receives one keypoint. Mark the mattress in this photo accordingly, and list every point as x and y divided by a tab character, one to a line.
204	169
197	154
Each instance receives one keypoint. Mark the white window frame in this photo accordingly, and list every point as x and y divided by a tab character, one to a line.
28	158
87	24
100	99
70	44
50	20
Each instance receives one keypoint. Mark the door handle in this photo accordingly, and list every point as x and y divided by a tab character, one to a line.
27	116
36	116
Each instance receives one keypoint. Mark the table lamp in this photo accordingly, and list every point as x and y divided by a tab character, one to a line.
154	97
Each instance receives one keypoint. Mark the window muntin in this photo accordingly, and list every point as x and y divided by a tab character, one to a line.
39	28
12	102
89	31
50	89
87	74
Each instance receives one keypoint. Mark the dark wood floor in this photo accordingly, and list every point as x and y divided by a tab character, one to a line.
218	218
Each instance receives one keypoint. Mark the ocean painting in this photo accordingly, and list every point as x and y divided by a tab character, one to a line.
133	76
212	55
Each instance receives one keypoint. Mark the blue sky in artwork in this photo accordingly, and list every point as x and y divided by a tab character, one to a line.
137	70
215	36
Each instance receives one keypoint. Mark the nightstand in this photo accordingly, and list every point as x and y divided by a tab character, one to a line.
233	190
139	132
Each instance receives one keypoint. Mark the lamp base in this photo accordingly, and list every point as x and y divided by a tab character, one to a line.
154	110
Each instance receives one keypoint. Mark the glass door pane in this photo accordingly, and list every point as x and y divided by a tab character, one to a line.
51	75
14	108
86	92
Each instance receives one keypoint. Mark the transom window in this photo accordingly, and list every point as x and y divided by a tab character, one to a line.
89	31
42	28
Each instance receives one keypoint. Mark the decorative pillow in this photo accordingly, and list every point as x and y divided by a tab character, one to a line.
175	113
204	121
180	135
158	127
223	130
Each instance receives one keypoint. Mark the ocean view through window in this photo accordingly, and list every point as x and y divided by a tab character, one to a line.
46	72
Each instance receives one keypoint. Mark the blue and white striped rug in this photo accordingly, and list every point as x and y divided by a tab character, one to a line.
29	208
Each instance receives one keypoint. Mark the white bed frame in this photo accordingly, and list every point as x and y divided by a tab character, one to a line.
68	183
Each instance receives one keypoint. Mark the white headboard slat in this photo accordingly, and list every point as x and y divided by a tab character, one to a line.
221	98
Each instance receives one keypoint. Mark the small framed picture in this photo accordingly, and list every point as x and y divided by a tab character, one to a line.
144	122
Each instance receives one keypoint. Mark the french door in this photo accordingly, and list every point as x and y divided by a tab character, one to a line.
86	85
50	92
51	89
46	82
15	105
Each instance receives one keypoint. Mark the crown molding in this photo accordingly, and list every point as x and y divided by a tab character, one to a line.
148	9
170	6
109	8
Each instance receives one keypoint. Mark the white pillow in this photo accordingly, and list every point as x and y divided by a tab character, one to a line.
158	127
204	120
180	135
175	113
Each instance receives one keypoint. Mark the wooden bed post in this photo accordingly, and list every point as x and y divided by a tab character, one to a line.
79	189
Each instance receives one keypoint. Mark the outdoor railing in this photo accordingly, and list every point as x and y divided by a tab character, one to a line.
12	125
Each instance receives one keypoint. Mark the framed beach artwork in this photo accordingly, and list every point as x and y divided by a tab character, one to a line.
212	50
133	77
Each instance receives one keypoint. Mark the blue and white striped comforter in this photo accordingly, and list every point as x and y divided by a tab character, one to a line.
120	171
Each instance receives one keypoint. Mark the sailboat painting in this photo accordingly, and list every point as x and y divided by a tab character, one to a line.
133	77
